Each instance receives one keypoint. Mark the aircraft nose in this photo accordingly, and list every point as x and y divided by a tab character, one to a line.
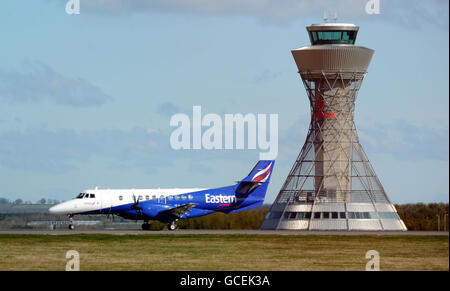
55	209
62	208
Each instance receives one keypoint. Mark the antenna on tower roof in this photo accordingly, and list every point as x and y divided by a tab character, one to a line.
325	16
335	17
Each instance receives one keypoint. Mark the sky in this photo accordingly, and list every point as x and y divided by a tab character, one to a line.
86	99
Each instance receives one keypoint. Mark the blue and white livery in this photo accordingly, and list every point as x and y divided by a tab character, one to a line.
169	205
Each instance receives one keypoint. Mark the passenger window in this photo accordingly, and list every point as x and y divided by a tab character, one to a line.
177	197
154	197
147	197
161	197
120	198
86	196
170	197
190	197
334	215
326	215
140	197
92	195
317	215
184	197
342	215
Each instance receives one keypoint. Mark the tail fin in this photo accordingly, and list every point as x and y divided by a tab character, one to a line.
255	184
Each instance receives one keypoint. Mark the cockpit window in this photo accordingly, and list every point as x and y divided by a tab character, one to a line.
79	196
86	196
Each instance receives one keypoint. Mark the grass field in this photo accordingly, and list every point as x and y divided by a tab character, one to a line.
222	252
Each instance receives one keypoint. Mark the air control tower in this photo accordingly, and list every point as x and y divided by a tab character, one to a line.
332	185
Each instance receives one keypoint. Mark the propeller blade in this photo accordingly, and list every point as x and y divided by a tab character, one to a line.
136	206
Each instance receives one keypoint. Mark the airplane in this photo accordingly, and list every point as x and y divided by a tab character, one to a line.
170	205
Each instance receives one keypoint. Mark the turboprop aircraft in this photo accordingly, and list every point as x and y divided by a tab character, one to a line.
169	205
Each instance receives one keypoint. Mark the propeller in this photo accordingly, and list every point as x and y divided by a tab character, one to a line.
136	206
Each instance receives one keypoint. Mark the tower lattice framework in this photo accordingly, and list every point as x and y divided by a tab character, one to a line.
332	165
332	185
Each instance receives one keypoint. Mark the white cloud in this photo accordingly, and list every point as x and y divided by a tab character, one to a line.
405	141
272	10
406	12
40	82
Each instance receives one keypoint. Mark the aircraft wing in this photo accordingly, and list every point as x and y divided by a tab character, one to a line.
179	210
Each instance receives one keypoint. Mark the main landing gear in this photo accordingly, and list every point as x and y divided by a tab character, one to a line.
172	226
145	225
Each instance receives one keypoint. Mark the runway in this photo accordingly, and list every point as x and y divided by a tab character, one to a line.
220	232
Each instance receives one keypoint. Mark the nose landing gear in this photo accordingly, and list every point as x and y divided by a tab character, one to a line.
71	225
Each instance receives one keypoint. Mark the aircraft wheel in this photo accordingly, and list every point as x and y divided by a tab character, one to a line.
172	226
71	226
145	226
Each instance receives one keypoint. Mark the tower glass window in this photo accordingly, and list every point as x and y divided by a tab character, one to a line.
333	37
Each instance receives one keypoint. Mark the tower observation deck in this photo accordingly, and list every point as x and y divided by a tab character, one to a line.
332	185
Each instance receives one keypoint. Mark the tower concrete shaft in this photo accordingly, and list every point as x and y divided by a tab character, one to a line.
332	185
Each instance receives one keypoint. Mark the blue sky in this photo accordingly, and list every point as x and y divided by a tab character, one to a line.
85	100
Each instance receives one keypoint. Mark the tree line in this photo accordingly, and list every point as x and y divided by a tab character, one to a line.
424	216
5	201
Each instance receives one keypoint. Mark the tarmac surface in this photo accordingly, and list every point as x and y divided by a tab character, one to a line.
216	232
